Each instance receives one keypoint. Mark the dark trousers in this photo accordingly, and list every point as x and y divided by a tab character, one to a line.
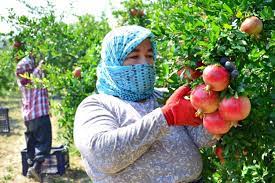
38	138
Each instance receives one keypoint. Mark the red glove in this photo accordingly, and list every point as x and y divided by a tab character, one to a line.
179	111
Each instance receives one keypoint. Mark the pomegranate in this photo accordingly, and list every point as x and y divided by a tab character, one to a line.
235	109
17	44
77	72
135	12
215	124
219	153
189	74
204	101
252	25
141	13
216	77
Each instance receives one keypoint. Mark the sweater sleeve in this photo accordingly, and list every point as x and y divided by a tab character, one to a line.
200	136
108	146
38	73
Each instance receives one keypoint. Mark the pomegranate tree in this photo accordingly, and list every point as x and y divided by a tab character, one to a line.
213	34
252	25
204	101
235	109
216	77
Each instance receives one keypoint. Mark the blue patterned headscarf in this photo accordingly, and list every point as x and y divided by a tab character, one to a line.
131	82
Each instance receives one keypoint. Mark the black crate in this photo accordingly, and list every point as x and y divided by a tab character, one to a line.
4	120
56	163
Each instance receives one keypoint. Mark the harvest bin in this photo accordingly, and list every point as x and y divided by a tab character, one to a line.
55	163
4	120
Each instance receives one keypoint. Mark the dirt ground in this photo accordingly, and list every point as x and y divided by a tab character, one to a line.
12	143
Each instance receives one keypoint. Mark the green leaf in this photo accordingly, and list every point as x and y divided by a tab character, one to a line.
243	42
239	14
272	59
255	54
228	9
240	89
272	40
227	26
240	48
267	13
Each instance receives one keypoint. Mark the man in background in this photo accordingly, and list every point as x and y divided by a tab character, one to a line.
35	109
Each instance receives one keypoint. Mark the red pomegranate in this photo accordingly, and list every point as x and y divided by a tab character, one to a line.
134	12
252	25
216	77
77	72
219	153
204	101
17	44
215	124
235	109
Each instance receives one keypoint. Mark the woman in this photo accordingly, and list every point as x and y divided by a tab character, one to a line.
122	133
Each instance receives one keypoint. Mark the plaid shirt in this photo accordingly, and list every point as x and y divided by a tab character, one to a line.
35	100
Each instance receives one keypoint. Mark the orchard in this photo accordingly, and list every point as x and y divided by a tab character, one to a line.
225	50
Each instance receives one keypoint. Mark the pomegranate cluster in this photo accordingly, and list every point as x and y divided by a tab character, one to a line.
219	115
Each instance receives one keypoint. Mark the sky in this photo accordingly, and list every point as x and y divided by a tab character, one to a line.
80	7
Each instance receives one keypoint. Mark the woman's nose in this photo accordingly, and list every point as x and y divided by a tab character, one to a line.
143	60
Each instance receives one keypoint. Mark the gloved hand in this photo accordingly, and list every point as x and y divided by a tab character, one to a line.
179	111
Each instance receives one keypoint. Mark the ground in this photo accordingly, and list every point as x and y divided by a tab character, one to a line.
12	143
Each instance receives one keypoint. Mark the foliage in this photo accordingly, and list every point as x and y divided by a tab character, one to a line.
189	31
7	70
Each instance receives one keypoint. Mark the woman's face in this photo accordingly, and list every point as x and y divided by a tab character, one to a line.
142	54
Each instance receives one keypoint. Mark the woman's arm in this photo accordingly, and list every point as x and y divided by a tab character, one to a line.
106	145
200	136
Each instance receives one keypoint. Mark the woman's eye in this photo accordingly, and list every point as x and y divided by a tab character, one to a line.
133	57
150	56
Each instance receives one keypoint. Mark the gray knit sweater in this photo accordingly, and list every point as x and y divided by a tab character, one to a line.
130	142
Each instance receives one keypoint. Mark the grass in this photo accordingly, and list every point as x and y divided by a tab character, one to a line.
12	143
